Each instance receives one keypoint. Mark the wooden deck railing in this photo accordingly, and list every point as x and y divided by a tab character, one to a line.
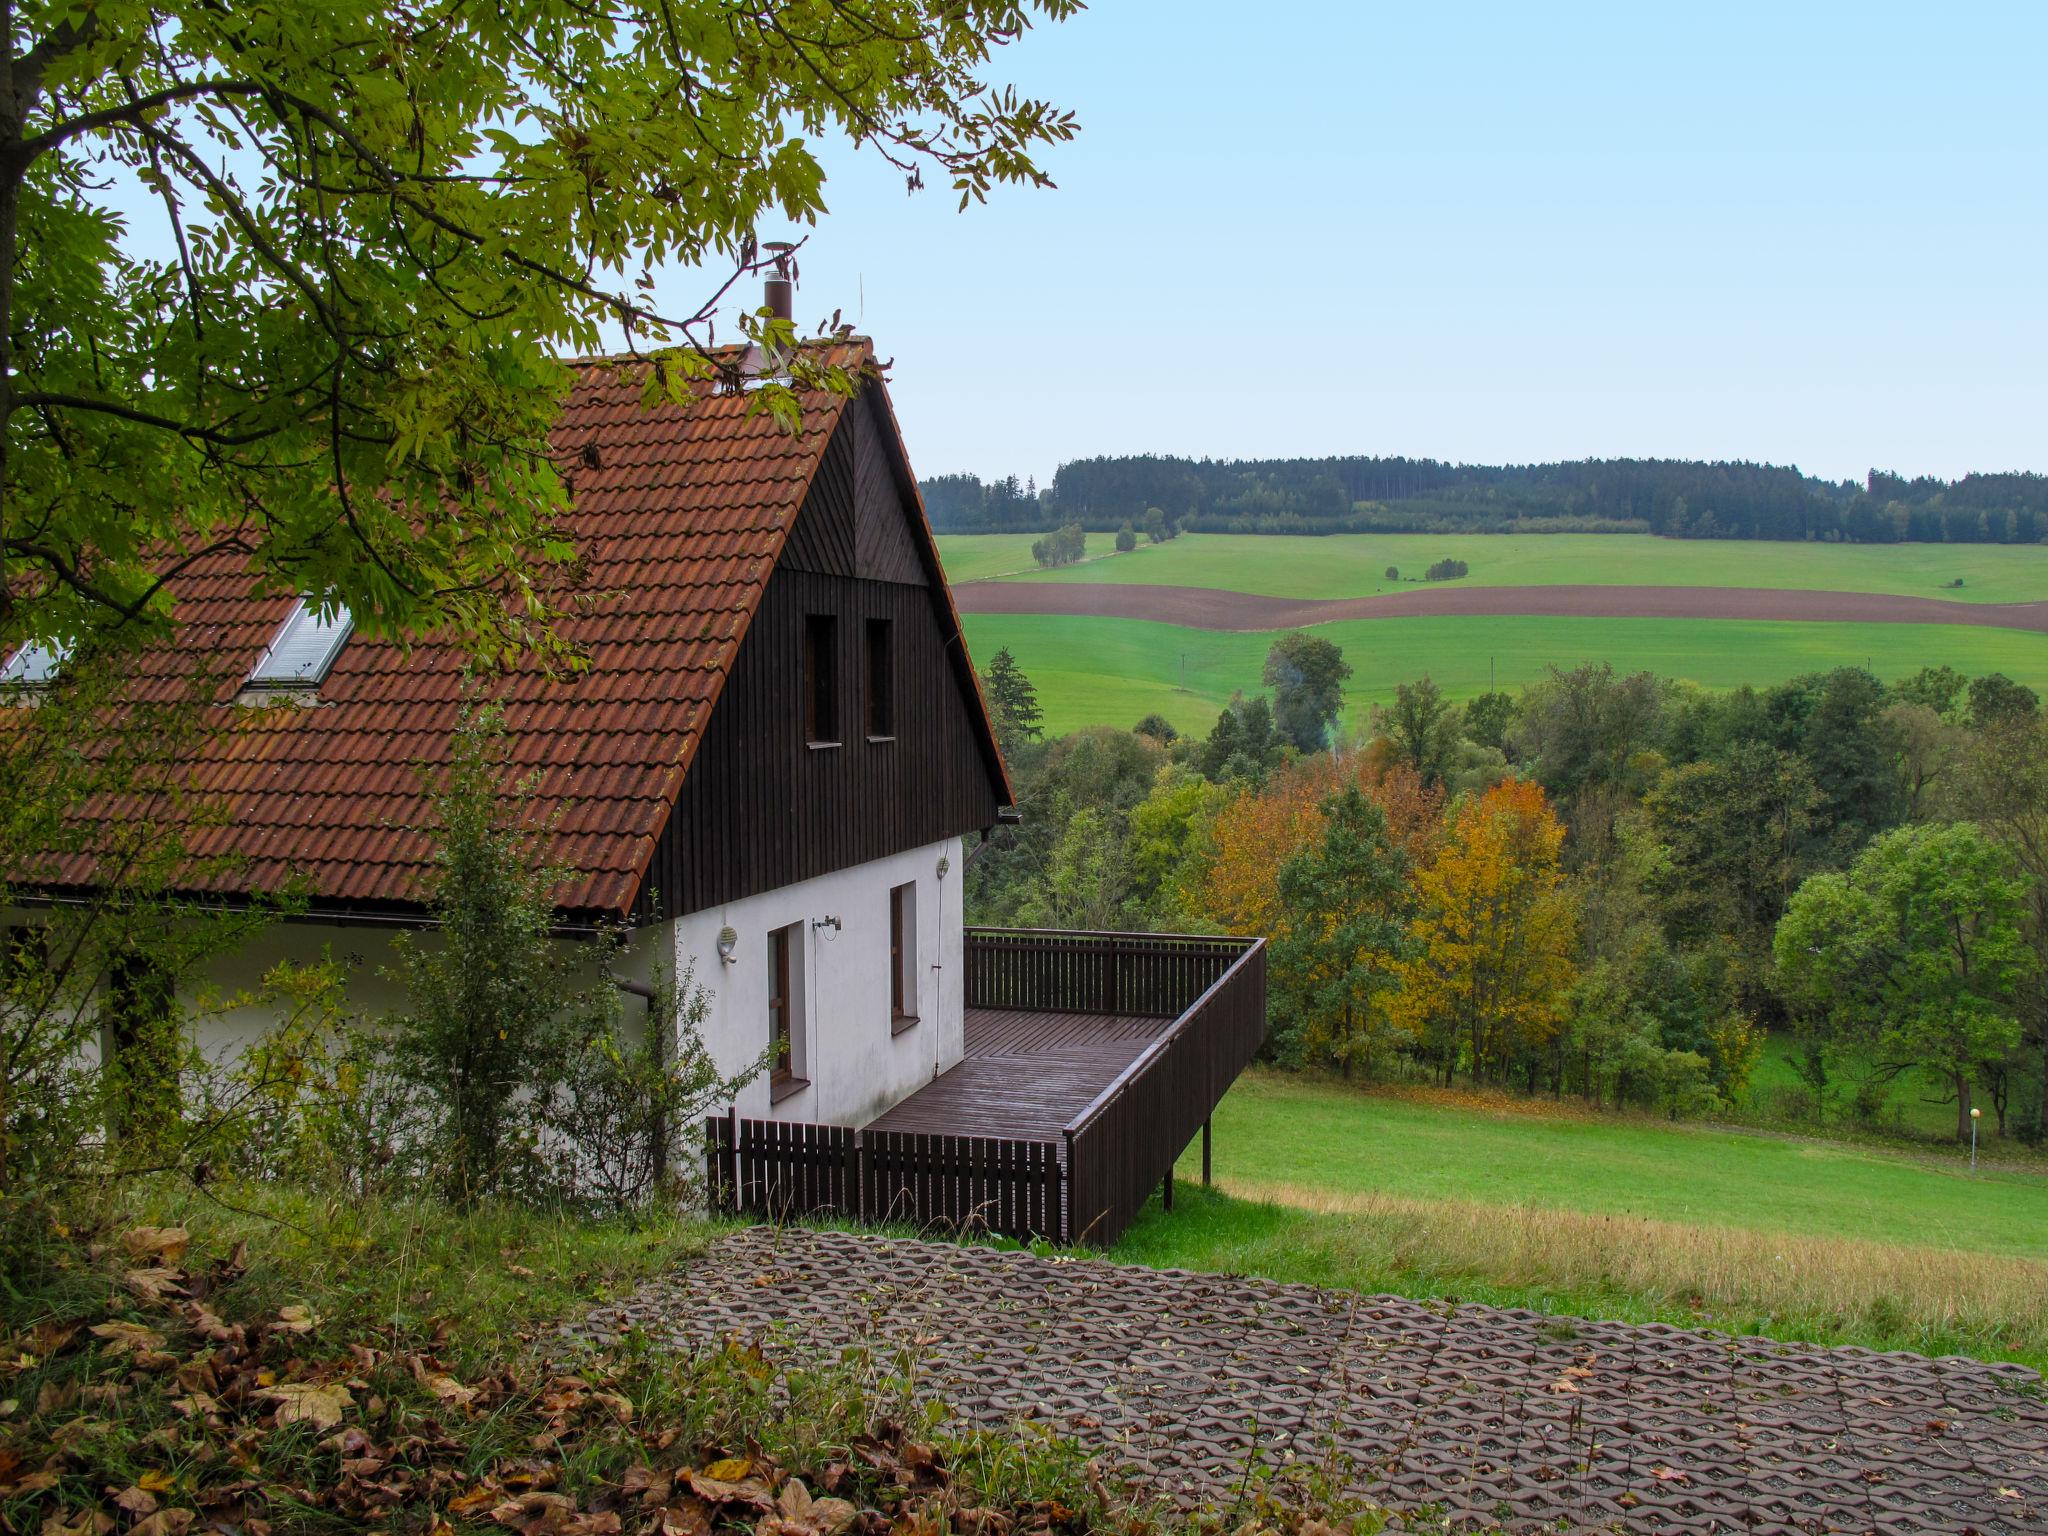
1088	1186
1138	975
1123	1145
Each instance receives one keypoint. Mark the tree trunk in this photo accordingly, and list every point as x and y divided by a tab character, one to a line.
1962	1106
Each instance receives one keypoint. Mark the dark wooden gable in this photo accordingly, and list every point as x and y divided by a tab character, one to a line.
761	807
857	520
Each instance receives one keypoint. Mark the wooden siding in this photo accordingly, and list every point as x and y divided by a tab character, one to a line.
762	808
883	549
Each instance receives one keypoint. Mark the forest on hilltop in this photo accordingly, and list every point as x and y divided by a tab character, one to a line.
1674	497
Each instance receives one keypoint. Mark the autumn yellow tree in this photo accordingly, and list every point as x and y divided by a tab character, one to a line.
1492	938
1261	829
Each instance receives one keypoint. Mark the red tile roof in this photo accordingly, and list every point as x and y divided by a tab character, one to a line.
679	523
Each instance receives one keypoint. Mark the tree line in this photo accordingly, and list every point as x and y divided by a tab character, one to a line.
1672	497
1614	886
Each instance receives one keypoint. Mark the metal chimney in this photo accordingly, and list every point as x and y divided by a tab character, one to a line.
778	289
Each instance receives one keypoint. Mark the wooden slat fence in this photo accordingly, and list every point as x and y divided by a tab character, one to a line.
779	1169
1139	975
1088	1187
967	1183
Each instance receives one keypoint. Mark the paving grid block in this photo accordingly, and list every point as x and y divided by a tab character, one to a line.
1484	1417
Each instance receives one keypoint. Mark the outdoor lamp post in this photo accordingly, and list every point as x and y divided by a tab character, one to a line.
1976	1114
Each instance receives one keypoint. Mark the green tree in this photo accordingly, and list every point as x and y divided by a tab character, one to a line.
1307	675
1996	699
1393	573
1591	738
2002	783
1013	705
1853	755
1157	528
1730	833
1918	948
1170	846
1488	719
1126	539
1242	747
1938	688
327	333
1345	900
1423	727
493	1002
1087	877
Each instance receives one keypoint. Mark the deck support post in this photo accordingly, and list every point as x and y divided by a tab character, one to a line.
1167	1188
1205	1151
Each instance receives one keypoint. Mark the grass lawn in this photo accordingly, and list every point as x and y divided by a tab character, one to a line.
1618	1217
1104	671
1354	565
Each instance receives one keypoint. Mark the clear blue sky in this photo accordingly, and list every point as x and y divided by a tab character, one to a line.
1804	233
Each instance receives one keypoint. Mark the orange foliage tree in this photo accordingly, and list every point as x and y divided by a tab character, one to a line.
1261	829
1493	936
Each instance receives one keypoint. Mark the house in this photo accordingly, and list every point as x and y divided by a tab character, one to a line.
765	776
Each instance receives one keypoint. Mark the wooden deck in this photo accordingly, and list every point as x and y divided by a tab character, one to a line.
1025	1074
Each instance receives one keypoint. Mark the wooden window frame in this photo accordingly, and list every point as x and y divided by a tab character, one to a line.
879	692
783	1013
902	958
821	679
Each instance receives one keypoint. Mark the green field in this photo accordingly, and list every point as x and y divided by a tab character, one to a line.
1614	1216
1354	565
1091	671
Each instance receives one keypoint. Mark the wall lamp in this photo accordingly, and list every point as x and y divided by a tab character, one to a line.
728	943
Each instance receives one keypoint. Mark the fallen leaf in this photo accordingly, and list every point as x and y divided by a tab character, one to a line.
135	1501
128	1338
448	1389
156	1480
164	1243
306	1403
1671	1475
296	1319
475	1499
165	1522
621	1408
155	1285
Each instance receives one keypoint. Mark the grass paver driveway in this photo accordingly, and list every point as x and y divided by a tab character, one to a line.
1472	1416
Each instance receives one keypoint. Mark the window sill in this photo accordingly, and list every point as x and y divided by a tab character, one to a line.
898	1023
876	741
786	1087
823	746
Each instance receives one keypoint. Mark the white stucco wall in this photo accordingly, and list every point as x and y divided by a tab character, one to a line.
856	1063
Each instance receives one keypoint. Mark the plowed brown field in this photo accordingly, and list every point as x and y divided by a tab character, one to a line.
1206	608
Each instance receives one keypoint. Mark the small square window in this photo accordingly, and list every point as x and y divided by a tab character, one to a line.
821	679
881	682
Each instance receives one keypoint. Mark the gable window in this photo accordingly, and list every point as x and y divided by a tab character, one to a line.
786	1053
304	647
902	958
881	683
821	678
35	665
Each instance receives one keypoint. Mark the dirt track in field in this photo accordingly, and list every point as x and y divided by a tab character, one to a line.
1206	608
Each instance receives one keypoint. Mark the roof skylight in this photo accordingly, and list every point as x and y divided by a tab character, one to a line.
304	648
34	665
